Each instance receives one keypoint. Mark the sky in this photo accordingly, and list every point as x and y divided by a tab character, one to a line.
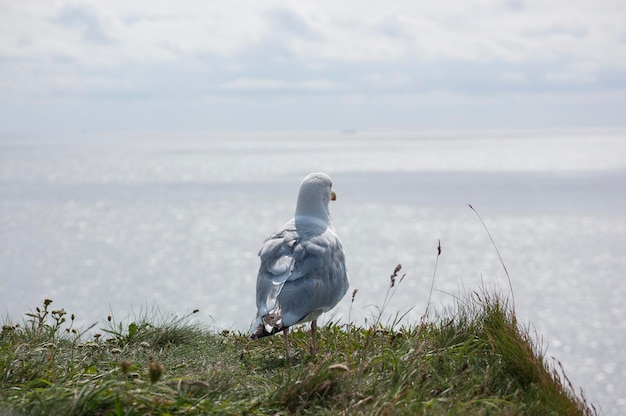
156	65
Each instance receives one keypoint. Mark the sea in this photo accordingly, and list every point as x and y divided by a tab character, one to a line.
131	225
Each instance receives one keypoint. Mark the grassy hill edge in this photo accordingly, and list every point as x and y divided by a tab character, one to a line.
472	359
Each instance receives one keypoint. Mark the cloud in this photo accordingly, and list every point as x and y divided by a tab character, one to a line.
513	31
515	4
265	84
513	77
287	23
163	54
86	21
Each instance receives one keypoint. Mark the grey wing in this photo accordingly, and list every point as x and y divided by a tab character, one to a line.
300	275
277	264
319	280
278	256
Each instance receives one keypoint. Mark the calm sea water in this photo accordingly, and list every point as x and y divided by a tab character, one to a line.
121	224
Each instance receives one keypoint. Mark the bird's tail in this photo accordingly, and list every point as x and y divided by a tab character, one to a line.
268	324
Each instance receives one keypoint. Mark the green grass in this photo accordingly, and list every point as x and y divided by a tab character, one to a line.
472	359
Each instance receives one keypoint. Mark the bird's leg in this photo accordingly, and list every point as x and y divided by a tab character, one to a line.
313	336
286	336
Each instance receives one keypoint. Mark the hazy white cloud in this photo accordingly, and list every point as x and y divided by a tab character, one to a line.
365	31
513	77
86	21
108	53
265	84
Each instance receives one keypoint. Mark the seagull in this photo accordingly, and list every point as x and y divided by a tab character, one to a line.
303	271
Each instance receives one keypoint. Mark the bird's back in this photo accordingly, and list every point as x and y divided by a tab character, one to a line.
302	275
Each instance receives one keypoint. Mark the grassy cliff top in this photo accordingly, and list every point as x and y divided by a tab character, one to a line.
472	359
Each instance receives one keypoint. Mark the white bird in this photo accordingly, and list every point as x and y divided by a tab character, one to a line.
303	272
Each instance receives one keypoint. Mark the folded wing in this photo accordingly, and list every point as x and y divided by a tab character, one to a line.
302	275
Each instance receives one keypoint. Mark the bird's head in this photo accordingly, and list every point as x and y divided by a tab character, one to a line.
314	196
